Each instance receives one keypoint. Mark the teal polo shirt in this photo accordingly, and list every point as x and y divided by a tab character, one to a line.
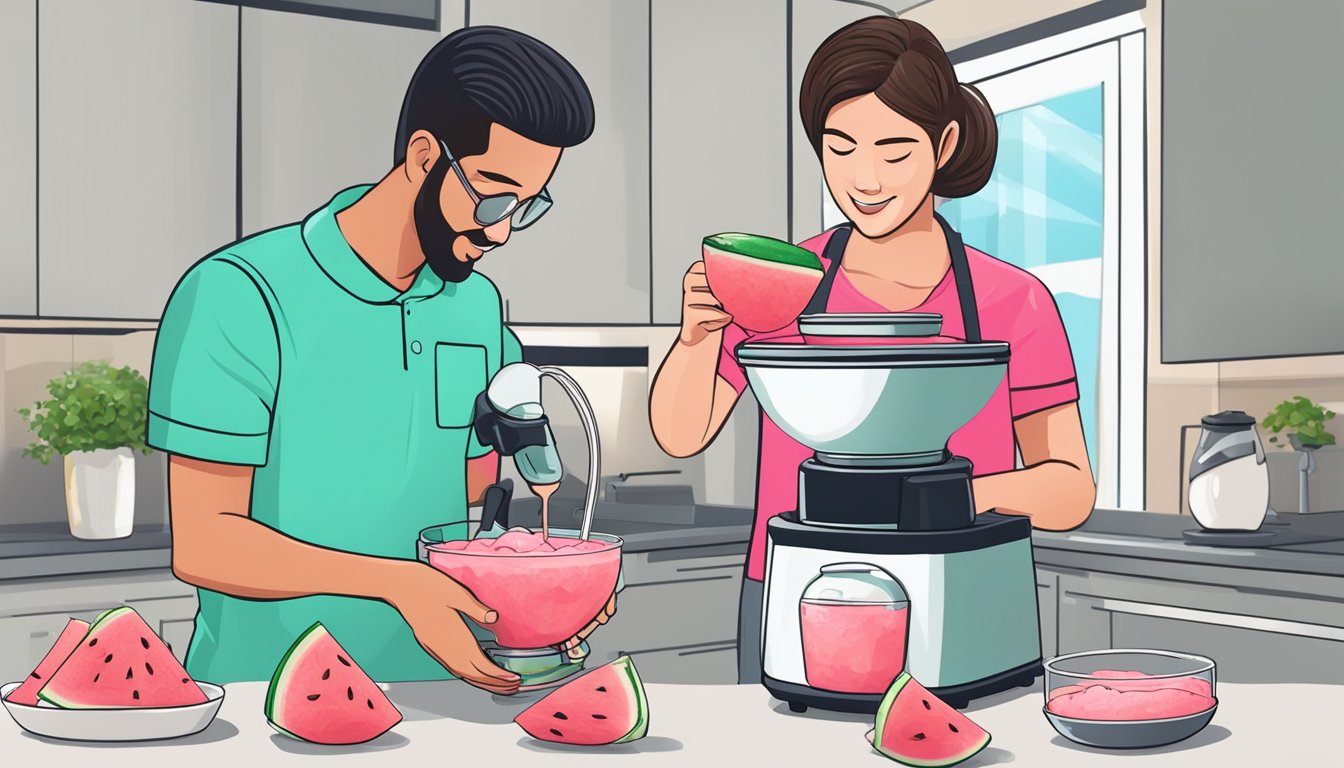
354	403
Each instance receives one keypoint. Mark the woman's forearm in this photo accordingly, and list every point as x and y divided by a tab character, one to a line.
681	405
1055	495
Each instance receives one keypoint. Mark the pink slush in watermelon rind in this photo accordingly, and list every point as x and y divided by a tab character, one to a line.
767	248
108	623
900	685
285	675
638	714
66	643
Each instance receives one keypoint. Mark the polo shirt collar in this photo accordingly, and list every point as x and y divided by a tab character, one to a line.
345	268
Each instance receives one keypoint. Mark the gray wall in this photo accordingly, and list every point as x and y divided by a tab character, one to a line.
1253	100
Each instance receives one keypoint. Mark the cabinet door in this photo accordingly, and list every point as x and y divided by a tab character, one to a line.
1047	603
720	105
320	102
24	640
588	260
137	150
18	139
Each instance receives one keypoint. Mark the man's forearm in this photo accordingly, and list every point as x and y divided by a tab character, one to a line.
236	555
1056	495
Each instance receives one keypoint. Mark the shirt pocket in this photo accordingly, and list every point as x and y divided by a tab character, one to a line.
459	376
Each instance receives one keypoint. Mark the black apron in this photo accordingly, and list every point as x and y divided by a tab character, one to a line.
961	274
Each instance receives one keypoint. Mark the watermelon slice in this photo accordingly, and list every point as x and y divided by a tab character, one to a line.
319	694
762	282
70	636
121	663
604	706
914	727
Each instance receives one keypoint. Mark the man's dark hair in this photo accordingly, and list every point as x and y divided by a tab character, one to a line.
483	75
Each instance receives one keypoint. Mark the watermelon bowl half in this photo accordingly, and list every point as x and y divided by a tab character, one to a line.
542	598
762	282
116	724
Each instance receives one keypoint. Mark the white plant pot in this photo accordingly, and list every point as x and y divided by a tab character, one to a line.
100	493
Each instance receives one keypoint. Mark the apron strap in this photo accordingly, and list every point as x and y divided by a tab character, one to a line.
834	252
961	273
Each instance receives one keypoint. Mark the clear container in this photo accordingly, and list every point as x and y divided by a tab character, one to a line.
1129	685
855	621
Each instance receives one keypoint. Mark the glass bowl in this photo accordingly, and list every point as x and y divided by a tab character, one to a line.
1129	698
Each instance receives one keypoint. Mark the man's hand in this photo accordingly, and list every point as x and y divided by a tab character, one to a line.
430	602
571	646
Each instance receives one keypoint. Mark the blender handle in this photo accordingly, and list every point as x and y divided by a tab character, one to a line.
495	508
1180	470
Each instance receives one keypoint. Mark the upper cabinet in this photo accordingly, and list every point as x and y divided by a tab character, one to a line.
320	101
721	98
587	261
18	181
137	149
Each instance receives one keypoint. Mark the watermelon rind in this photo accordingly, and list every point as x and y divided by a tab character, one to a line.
279	682
766	248
641	729
884	710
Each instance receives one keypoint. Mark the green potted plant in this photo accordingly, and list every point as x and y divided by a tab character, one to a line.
1308	475
95	419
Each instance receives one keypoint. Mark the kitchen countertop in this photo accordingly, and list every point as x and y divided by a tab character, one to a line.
450	723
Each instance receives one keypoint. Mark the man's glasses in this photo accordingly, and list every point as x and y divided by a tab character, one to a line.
496	208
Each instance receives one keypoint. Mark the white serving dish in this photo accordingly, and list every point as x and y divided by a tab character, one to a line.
128	724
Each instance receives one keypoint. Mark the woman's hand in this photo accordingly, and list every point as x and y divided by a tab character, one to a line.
702	314
571	646
433	604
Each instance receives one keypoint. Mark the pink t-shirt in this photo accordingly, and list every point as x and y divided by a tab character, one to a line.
1014	307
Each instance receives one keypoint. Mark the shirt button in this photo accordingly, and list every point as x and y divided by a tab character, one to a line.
415	347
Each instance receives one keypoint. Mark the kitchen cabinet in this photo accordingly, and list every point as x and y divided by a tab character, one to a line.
1254	635
137	116
588	260
18	136
33	612
677	615
320	99
1047	604
720	101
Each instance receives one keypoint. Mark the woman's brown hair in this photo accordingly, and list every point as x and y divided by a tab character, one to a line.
905	66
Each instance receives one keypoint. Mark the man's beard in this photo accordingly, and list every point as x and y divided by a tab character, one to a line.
436	235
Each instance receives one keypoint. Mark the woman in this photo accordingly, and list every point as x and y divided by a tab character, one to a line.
893	129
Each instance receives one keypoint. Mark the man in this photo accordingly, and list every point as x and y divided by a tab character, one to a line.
314	383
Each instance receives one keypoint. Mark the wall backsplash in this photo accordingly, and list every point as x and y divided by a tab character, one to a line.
31	493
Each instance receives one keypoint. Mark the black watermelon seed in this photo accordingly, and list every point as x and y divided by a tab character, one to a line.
144	643
341	659
370	703
186	680
560	716
919	737
926	704
326	674
35	676
95	677
557	733
93	642
953	727
602	688
599	717
350	694
135	695
313	696
129	673
108	659
148	668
